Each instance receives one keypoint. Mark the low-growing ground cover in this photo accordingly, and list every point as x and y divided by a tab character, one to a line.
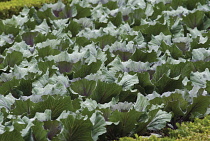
102	70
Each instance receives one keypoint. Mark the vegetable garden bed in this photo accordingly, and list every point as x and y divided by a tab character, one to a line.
102	70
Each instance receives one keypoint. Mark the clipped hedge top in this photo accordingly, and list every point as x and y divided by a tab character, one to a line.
13	7
199	130
21	3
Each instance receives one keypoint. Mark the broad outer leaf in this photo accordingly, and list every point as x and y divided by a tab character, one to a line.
99	124
140	55
13	59
195	19
168	84
155	119
141	103
57	104
127	121
38	131
11	136
75	129
128	81
82	70
21	107
158	119
42	28
198	107
145	83
174	103
6	101
128	95
83	87
104	92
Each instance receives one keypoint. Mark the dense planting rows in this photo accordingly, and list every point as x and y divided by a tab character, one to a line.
98	70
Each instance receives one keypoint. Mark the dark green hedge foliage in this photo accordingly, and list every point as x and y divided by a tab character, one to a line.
199	130
13	7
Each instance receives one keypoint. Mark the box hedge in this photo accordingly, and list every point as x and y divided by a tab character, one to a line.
199	130
13	7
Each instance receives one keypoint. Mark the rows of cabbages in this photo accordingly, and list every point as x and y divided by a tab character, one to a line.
103	69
